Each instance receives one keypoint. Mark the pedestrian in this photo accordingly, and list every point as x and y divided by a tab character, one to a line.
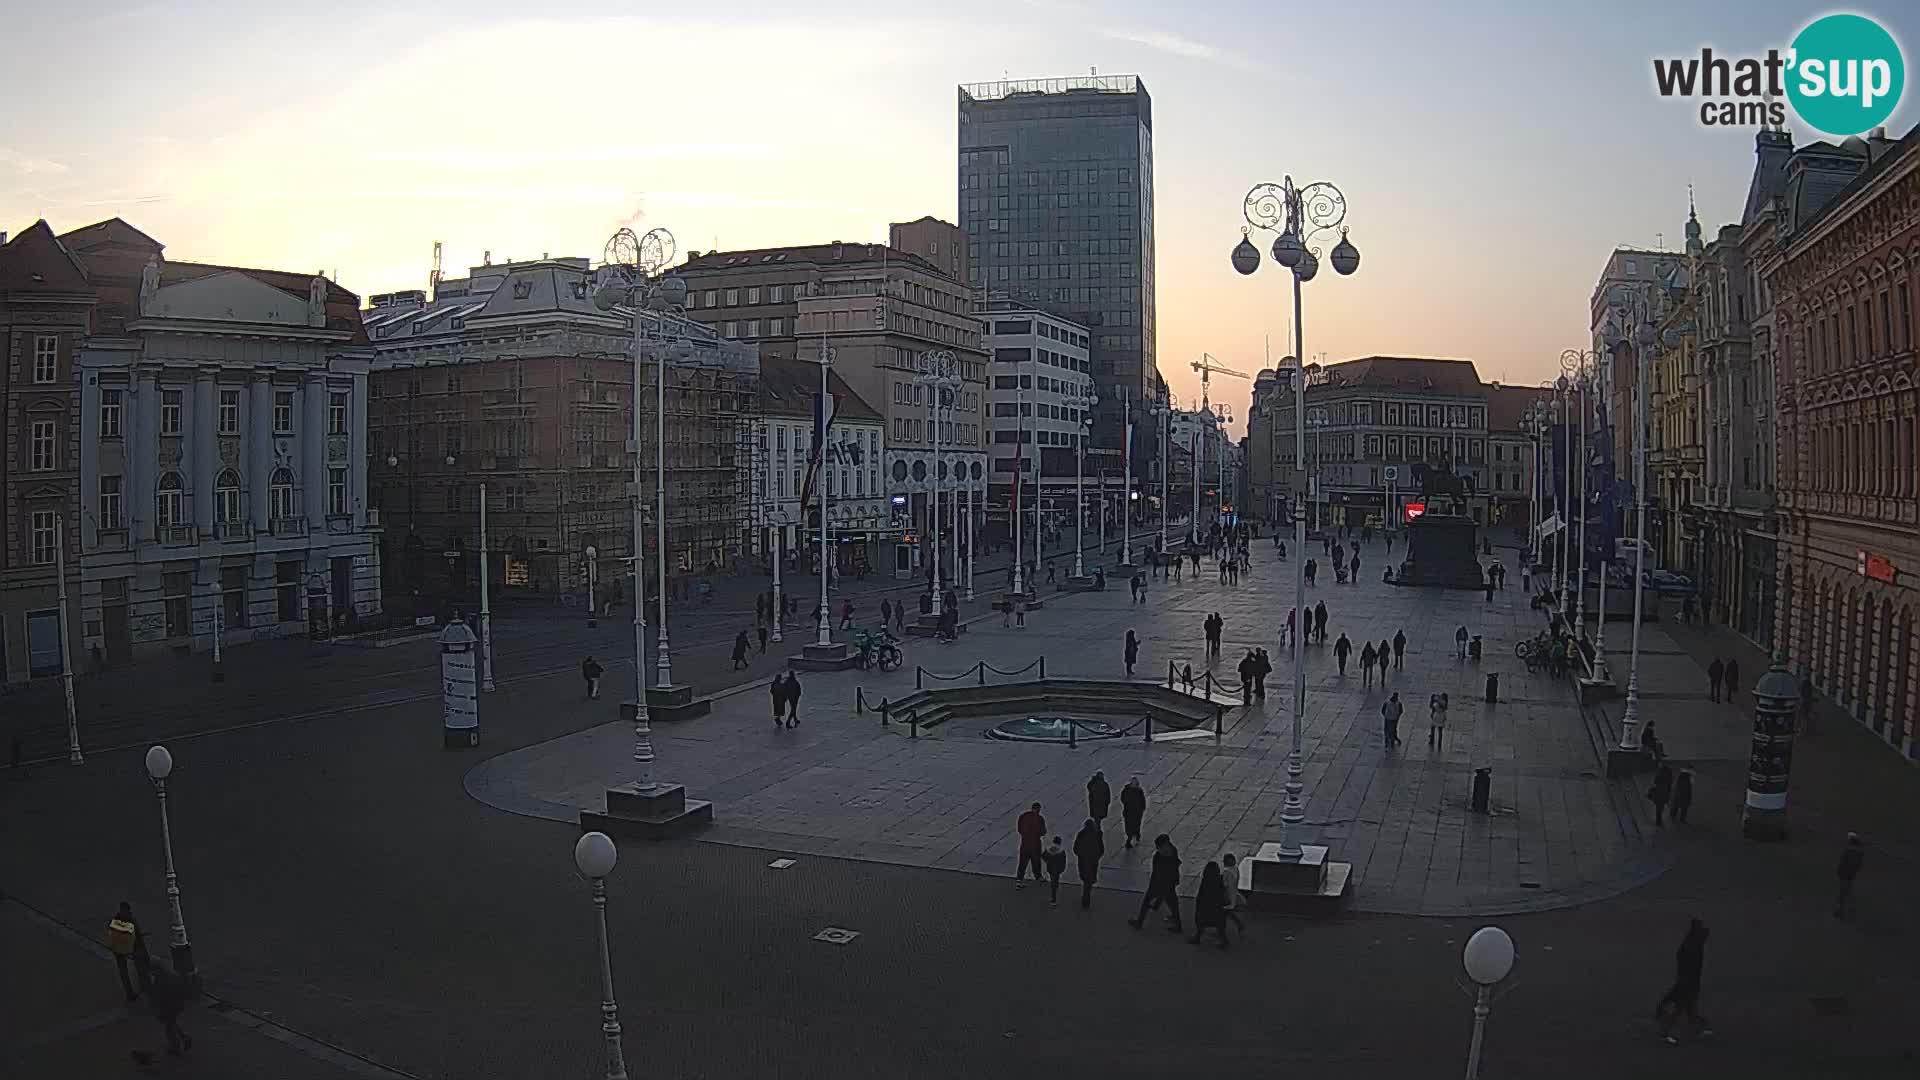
1390	712
1320	621
1132	651
1355	567
169	994
1263	667
1731	683
1246	668
1313	568
1342	648
1399	649
1489	588
1030	827
1715	672
846	614
886	613
1661	793
740	648
1526	574
1384	654
1683	998
1214	625
1852	854
129	944
1366	663
1290	632
1099	797
1133	807
1142	579
1806	705
1230	874
1460	642
1089	846
1186	676
1210	905
1162	883
1682	796
1436	719
1006	613
1020	613
900	617
1055	858
778	691
761	630
590	670
793	700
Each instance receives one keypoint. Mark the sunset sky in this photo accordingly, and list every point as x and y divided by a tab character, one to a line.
1491	153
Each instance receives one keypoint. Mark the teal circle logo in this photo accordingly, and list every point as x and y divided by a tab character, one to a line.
1846	74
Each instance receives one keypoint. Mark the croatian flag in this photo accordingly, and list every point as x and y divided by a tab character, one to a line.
823	410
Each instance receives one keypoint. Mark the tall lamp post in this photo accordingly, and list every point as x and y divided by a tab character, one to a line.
1298	215
628	278
594	856
159	767
1642	339
486	612
1126	491
1488	959
972	474
1090	402
1165	411
1584	368
938	375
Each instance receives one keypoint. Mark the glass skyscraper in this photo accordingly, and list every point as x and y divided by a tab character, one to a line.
1056	198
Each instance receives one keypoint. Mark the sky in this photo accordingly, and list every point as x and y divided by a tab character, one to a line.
1491	153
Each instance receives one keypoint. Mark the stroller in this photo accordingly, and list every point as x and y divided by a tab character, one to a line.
1339	575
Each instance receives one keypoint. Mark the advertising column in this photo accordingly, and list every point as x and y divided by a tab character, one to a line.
459	687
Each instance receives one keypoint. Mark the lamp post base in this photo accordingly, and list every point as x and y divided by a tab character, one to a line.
182	958
459	738
833	657
1307	884
650	813
669	703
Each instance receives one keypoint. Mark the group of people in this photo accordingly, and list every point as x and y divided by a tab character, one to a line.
1387	653
1723	679
1216	904
167	990
785	691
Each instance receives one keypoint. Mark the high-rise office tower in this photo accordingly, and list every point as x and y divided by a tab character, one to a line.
1056	199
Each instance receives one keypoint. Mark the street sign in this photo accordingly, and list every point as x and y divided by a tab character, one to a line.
1392	473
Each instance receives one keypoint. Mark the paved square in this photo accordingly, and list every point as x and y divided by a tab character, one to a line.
843	785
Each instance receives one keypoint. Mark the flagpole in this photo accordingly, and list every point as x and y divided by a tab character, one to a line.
820	421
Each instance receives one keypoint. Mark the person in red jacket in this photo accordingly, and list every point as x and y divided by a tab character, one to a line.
1032	828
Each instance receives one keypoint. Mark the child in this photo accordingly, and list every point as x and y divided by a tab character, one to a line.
1436	719
1055	858
1230	870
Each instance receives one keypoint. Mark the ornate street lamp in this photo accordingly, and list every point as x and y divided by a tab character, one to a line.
594	856
159	767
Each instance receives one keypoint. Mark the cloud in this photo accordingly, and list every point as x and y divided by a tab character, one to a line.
27	165
1168	42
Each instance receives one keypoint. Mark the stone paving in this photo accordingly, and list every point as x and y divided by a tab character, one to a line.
843	785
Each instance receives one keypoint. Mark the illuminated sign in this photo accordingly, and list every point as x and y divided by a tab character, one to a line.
1413	509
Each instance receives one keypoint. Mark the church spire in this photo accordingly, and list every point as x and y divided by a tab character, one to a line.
1694	246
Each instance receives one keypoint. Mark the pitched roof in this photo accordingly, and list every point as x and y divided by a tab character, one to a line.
1506	405
343	307
821	254
1405	373
37	262
787	388
113	231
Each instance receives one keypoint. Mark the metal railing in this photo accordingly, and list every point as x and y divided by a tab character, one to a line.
978	671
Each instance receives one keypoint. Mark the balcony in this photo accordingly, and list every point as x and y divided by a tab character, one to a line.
290	527
233	530
178	536
111	539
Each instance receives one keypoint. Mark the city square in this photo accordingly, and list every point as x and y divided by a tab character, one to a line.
833	612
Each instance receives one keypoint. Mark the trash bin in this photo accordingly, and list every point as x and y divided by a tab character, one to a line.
1482	788
1493	687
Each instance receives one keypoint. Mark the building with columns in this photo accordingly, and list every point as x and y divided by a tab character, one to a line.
224	459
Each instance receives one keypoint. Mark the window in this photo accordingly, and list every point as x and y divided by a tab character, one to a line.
46	358
286	590
337	492
776	327
280	490
337	414
227	508
283	412
776	294
753	294
169	412
40	537
41	455
109	505
168	501
733	297
711	299
176	590
753	328
229	412
730	329
109	414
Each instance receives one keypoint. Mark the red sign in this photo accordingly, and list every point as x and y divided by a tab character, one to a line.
1413	509
1876	567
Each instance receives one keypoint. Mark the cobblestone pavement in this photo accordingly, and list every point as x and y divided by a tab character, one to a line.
843	785
339	883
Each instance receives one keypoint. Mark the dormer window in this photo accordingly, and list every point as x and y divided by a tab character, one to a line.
522	289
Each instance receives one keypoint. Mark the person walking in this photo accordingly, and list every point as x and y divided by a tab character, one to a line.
1320	621
793	699
777	690
1661	793
1133	807
1290	631
1730	683
1262	667
1715	672
1366	663
1852	854
169	994
1099	798
590	670
740	648
886	613
1162	885
1384	654
1390	713
846	614
1436	719
1031	828
1215	624
1342	648
1132	652
1055	857
900	617
1682	796
128	944
1399	649
1683	997
1019	613
1460	641
1230	873
1210	905
1355	567
1089	847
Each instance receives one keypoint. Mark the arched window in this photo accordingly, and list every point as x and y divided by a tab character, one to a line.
169	501
281	489
228	507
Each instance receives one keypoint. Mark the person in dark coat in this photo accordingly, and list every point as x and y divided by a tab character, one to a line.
1055	858
1366	663
1682	796
793	700
1210	905
1133	807
1099	797
1399	649
1342	648
777	690
1715	672
1089	847
1320	621
1355	567
1384	654
590	670
1162	885
1851	856
1030	828
1661	793
740	649
1133	652
1683	998
886	613
1732	683
1263	667
1246	668
169	995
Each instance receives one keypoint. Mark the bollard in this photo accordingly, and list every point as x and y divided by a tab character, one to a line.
1147	725
1073	733
913	723
1169	674
859	701
1043	666
1218	729
917	671
884	719
980	669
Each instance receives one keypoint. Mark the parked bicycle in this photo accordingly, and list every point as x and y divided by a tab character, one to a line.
877	648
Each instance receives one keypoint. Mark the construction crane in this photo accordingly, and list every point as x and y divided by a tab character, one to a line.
433	278
1206	367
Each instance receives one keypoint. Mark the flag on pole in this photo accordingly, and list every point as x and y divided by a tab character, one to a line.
823	410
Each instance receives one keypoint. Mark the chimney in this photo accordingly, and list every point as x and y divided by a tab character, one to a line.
3	236
486	258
